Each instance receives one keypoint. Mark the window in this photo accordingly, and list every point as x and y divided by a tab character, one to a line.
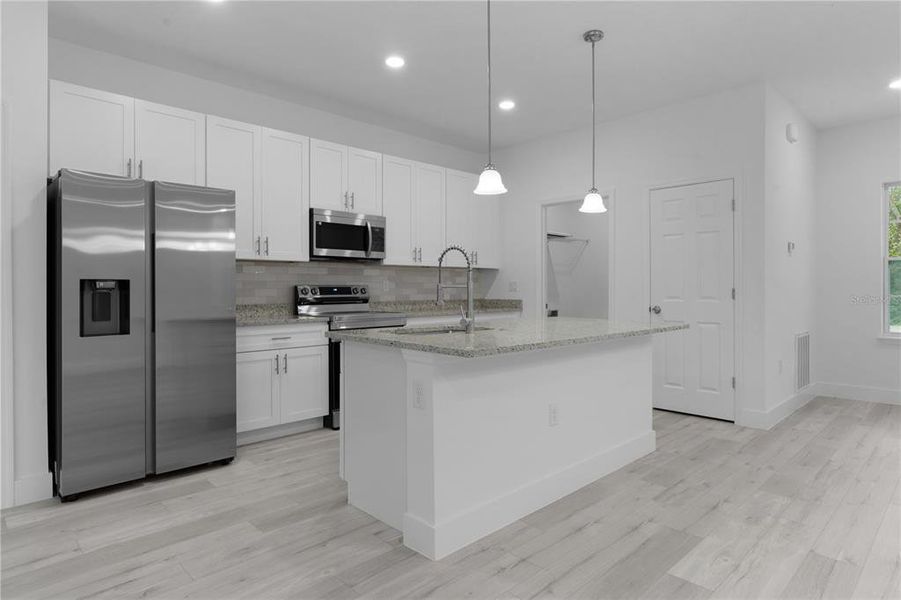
893	258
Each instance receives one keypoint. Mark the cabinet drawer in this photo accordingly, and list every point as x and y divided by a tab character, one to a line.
281	336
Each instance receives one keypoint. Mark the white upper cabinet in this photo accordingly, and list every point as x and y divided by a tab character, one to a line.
364	181
284	211
397	202
345	178
90	130
169	144
461	217
328	175
428	212
233	163
488	231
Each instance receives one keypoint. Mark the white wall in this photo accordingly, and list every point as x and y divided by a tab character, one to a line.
715	136
577	273
91	68
789	175
24	167
853	162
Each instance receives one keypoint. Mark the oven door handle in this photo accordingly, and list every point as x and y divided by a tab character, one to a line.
368	238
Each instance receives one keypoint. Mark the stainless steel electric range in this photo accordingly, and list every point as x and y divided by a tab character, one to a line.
347	307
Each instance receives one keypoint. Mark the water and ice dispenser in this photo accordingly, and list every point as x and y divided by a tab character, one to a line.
104	307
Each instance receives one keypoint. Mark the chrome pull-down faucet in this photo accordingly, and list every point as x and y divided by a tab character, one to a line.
468	321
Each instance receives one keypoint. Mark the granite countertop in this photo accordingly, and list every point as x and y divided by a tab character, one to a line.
258	315
503	337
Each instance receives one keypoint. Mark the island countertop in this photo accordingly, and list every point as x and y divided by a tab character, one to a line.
502	337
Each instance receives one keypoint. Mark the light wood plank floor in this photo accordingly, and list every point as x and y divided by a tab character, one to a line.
807	510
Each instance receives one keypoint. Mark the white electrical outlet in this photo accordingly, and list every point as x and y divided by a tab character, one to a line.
418	396
552	417
513	286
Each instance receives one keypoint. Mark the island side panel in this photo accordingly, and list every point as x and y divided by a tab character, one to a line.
374	422
485	428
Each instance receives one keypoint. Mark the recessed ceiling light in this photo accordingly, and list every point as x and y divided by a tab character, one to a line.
895	85
394	61
506	105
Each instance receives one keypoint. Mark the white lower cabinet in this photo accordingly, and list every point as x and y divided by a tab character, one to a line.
257	397
279	381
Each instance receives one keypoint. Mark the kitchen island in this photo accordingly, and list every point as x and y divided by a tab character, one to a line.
449	436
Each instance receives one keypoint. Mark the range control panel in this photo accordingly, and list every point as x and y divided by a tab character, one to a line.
307	294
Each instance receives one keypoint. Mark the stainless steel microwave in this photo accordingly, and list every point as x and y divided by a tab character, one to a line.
338	234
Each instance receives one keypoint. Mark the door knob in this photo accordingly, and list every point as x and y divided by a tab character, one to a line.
656	309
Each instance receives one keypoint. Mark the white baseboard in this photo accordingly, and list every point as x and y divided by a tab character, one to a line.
271	433
759	419
439	540
858	392
33	488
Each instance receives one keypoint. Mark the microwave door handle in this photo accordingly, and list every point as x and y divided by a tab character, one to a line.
368	238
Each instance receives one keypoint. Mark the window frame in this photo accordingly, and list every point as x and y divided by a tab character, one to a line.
887	260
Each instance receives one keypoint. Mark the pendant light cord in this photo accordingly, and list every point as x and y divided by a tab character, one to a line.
593	123
489	81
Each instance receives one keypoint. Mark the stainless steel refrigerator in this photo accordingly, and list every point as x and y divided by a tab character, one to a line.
141	328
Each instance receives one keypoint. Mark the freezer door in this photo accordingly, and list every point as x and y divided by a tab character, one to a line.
194	303
96	311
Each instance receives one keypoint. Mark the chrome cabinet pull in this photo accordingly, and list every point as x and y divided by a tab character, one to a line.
141	169
128	168
353	200
286	363
656	309
419	253
276	364
267	245
285	337
258	245
346	207
414	253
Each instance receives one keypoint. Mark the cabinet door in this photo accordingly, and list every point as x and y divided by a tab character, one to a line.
257	390
304	383
169	144
461	220
488	231
328	175
90	130
233	163
428	209
364	171
397	202
284	206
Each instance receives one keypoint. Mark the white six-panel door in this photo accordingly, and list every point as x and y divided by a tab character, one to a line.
90	130
692	282
284	203
170	144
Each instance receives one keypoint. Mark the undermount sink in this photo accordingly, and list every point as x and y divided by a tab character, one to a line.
435	330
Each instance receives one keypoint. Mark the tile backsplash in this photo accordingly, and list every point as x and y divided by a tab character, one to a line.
261	282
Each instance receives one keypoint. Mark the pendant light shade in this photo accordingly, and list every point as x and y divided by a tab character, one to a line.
593	201
490	183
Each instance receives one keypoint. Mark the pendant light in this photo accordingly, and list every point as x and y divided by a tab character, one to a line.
490	182
593	202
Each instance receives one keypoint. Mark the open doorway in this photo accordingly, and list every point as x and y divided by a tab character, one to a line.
577	274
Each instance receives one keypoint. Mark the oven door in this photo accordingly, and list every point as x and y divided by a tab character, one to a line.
336	234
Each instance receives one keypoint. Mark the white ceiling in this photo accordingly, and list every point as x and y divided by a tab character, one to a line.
832	59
